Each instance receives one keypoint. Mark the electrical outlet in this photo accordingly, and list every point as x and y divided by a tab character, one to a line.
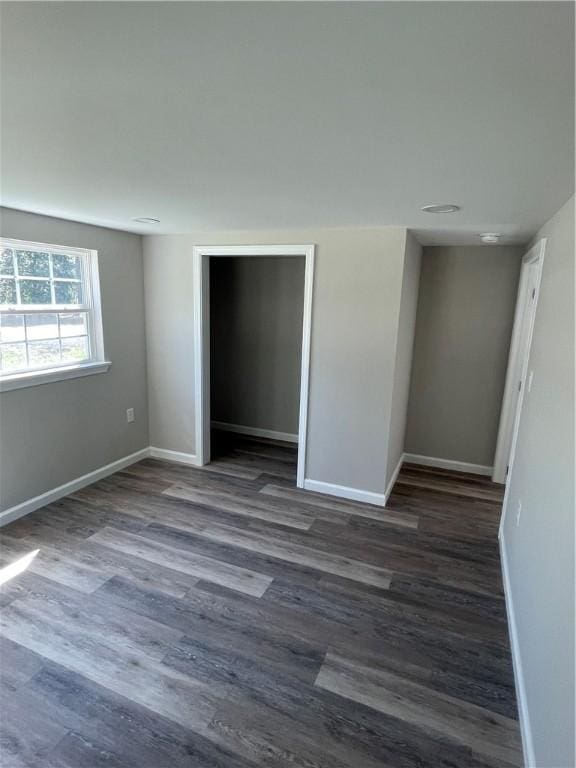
518	513
130	415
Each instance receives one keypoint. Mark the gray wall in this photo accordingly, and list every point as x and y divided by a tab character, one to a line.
404	350
463	329
256	310
357	288
54	433
540	551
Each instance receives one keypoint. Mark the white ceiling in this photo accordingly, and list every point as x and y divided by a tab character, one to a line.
284	115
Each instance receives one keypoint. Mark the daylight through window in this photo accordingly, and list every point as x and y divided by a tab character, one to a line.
49	307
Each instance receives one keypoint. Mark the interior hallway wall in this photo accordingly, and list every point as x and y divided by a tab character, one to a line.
54	433
539	551
464	325
356	299
404	352
256	312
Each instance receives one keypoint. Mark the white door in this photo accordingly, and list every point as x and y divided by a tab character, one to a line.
517	372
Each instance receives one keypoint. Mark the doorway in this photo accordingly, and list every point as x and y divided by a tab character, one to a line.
517	377
203	257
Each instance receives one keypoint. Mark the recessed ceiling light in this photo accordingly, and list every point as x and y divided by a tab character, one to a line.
441	208
146	220
490	237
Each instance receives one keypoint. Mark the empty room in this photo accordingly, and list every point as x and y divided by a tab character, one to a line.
287	384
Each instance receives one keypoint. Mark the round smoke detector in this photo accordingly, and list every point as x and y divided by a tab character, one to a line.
440	208
490	237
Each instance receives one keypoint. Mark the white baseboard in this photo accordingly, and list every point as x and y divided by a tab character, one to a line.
176	456
521	698
393	479
456	466
271	434
354	494
31	505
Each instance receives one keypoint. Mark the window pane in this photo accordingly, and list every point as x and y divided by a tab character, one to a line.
7	262
73	324
41	327
66	266
43	353
36	283
75	350
12	328
35	292
12	357
7	291
67	293
33	263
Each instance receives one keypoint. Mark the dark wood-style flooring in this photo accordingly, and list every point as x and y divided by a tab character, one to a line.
175	617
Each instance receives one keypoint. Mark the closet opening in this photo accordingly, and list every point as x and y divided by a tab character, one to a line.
253	309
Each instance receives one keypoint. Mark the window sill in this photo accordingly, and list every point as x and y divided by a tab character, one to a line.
34	378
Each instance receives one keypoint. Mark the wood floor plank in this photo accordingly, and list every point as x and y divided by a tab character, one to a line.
270	738
473	479
255	624
100	621
17	666
111	664
483	731
73	517
109	561
240	579
114	727
255	508
229	470
269	465
231	621
336	506
276	546
417	644
28	732
164	474
244	558
450	486
488	608
354	726
52	563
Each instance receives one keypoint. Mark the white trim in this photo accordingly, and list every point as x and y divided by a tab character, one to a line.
178	457
305	370
50	375
509	398
271	434
456	466
521	698
538	252
393	479
511	401
19	510
199	405
289	249
354	494
70	250
95	323
200	261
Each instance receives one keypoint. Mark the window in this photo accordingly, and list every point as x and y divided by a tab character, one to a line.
50	322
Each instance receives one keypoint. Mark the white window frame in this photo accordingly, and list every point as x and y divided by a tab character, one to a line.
91	305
